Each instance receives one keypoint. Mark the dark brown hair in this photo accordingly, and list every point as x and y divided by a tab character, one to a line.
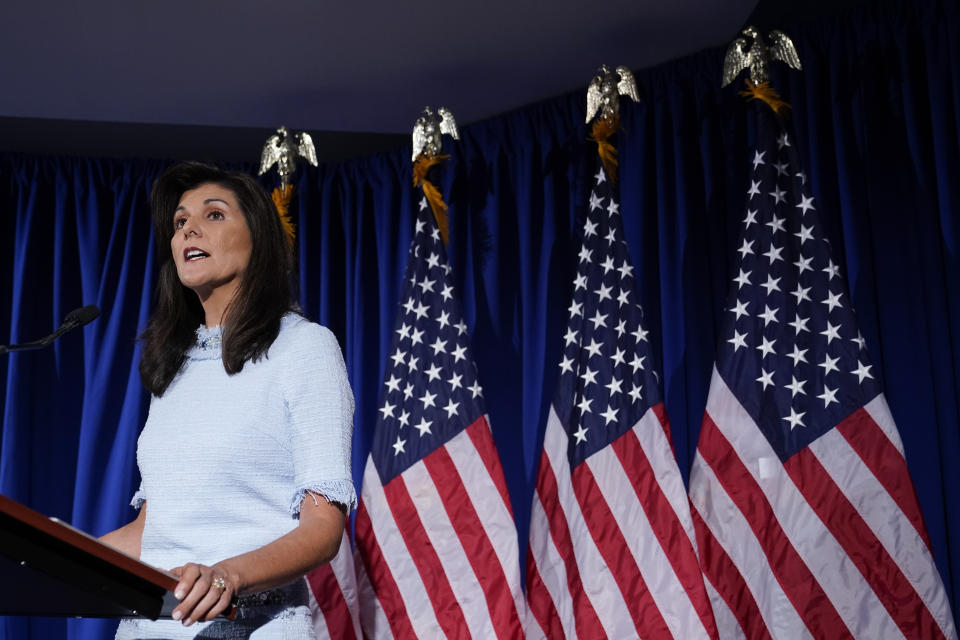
252	319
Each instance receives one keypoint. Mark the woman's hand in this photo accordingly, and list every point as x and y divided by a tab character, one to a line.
204	592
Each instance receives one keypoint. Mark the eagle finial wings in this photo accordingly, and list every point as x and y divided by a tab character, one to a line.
270	153
593	98
605	89
627	85
447	124
305	148
750	52
735	60
781	48
429	129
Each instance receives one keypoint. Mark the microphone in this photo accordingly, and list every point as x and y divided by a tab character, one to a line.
76	318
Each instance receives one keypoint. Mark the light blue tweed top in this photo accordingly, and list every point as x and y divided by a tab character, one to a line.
226	460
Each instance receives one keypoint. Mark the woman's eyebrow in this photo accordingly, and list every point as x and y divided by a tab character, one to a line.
207	201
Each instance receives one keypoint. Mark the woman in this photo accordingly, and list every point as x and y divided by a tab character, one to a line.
245	454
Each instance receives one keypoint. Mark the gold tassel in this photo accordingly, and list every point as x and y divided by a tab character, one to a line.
764	92
420	168
282	201
603	129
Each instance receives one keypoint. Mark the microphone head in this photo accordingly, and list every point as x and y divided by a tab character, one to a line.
82	316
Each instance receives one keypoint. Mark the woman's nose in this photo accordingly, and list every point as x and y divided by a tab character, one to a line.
190	228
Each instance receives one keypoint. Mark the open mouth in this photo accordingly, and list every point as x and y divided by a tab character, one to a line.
192	255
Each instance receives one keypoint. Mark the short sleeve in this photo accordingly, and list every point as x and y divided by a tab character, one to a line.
138	498
320	410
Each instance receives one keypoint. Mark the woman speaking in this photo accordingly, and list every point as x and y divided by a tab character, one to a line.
245	455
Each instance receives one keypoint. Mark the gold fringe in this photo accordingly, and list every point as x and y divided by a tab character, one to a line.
764	92
603	129
282	201
421	166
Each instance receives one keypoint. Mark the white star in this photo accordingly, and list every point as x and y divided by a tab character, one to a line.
740	308
417	336
795	419
774	254
781	168
766	378
589	228
580	282
862	371
636	393
435	234
438	346
861	343
801	293
758	159
754	189
604	292
575	309
607	265
566	365
451	408
398	446
803	264
601	177
412	363
475	389
771	284
398	357
783	141
421	310
433	373
447	292
428	399
829	395
831	270
423	427
408	391
747	248
621	328
454	382
584	405
831	332
570	337
433	261
599	320
613	208
802	176
796	386
640	334
580	434
459	353
611	236
799	324
738	340
778	194
408	305
829	364
614	386
769	315
626	271
404	418
393	383
589	376
595	201
637	362
617	357
387	410
420	223
594	347
766	348
805	233
585	255
623	298
750	219
833	300
806	204
742	279
444	319
776	224
798	355
403	331
609	415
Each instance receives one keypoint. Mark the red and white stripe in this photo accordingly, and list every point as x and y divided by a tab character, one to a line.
829	544
612	546
437	546
334	604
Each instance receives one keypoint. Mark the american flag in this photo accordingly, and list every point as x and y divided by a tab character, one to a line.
806	518
612	548
436	541
334	603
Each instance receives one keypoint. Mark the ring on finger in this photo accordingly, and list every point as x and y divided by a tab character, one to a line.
219	583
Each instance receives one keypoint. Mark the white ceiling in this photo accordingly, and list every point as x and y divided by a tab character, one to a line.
333	66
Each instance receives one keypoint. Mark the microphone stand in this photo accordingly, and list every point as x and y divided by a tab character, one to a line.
74	319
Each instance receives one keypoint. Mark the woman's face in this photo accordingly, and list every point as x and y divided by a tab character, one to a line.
211	242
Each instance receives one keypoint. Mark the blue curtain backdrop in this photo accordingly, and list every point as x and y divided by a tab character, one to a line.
877	120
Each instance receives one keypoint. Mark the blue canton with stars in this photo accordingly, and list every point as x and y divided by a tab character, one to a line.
608	376
791	351
430	390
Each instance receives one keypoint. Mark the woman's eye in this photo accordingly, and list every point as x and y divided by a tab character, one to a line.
215	215
179	222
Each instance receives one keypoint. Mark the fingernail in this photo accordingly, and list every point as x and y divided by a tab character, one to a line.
178	594
176	614
187	622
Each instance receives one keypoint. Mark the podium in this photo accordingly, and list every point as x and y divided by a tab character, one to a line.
48	568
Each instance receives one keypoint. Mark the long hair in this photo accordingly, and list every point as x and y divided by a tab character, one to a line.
252	319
